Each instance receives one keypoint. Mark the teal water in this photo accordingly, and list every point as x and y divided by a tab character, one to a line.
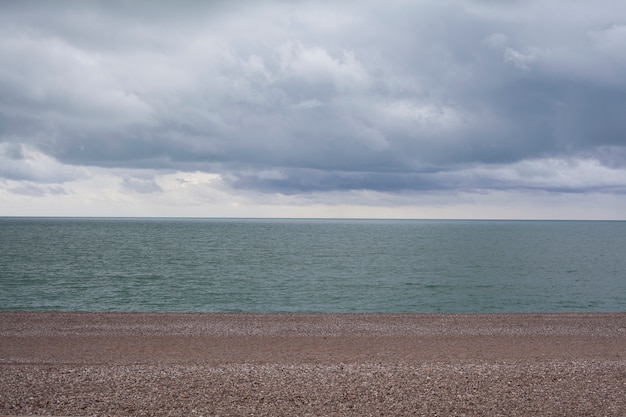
219	265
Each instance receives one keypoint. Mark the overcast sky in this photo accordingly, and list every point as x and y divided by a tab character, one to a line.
422	109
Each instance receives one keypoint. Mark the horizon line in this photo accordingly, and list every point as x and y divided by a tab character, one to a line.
299	218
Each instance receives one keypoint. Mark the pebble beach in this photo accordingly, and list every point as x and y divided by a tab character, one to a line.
163	364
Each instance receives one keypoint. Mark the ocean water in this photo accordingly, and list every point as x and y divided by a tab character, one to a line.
255	265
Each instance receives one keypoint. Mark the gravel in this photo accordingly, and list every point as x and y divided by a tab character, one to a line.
312	365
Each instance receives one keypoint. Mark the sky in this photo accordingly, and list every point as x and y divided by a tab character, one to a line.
398	109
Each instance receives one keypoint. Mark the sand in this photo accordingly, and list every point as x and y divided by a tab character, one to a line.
110	364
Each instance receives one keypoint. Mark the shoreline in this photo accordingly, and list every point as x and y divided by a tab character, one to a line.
217	338
315	364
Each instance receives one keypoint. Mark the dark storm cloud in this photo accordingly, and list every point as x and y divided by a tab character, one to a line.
331	96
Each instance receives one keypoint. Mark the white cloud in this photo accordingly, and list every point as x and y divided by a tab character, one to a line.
424	115
316	66
523	60
576	175
23	162
495	40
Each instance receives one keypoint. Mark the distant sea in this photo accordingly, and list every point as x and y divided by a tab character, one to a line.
319	266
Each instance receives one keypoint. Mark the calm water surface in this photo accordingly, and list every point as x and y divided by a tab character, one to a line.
214	265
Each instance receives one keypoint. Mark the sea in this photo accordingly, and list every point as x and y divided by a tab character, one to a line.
311	265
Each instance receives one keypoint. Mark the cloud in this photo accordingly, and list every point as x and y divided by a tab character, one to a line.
24	162
142	186
36	190
306	98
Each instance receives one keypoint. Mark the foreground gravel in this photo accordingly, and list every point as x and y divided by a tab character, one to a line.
563	389
269	365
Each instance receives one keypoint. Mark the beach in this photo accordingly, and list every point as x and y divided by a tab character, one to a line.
175	364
